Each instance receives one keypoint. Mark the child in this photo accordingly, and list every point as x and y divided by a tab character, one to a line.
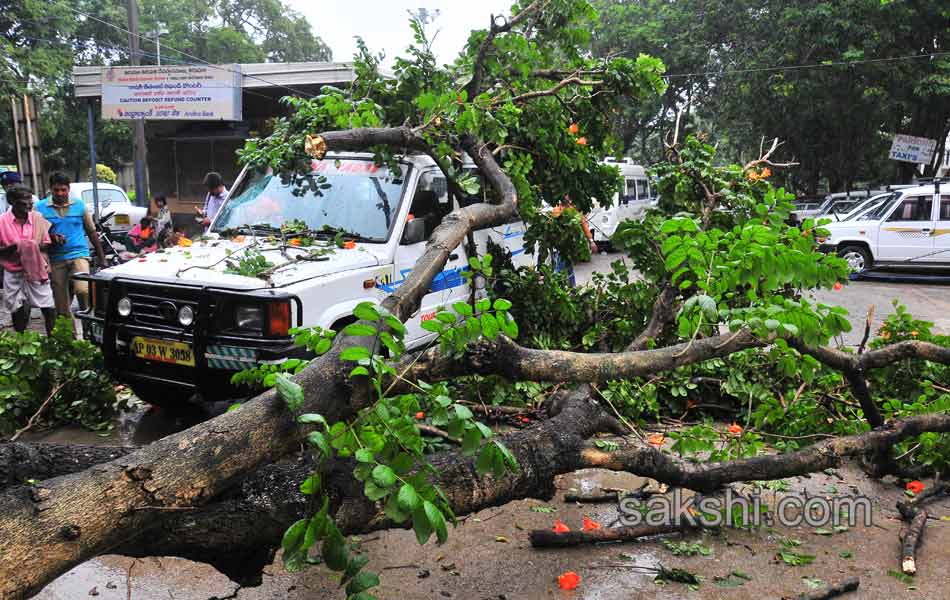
143	236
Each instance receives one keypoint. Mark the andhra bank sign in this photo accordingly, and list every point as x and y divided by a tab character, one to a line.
181	93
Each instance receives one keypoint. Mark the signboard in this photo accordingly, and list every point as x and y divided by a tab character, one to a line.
174	92
913	149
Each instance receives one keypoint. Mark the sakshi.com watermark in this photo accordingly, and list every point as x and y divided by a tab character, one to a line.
732	509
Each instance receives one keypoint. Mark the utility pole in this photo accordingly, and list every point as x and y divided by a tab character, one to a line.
138	126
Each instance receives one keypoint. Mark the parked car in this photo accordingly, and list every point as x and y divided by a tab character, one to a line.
631	202
112	199
184	320
909	228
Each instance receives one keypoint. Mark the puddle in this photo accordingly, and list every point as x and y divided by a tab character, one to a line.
155	578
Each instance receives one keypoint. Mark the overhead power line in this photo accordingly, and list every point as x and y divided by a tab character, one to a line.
191	56
821	65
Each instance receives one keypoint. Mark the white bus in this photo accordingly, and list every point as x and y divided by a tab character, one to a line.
631	202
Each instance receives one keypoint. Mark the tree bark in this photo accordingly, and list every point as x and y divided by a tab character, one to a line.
20	462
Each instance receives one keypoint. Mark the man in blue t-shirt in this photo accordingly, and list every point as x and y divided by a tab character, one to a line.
69	254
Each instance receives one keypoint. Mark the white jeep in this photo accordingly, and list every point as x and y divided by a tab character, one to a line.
910	228
183	320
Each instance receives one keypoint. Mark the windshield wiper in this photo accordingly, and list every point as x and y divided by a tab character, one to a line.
331	231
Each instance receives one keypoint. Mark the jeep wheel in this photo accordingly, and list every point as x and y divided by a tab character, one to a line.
858	257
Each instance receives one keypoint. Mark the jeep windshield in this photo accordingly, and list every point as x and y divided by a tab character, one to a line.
353	196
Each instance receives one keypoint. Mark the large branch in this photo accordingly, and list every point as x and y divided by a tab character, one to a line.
239	533
647	461
478	65
664	309
77	516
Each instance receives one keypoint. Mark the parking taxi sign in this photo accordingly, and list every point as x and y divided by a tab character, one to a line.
912	149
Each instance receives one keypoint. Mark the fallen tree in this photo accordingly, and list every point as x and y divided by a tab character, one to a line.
722	283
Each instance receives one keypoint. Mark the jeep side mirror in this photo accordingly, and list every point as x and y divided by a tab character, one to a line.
414	232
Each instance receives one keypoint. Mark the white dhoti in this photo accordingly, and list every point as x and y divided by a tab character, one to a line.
17	291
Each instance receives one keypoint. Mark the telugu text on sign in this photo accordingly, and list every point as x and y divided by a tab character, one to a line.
200	92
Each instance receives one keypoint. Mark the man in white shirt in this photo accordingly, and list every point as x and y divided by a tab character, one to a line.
217	194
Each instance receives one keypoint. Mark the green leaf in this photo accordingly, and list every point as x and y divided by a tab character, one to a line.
307	418
294	536
502	304
310	484
489	325
373	491
323	345
396	325
463	308
320	441
358	371
334	550
772	324
446	317
395	512
365	455
471	440
463	412
289	391
421	526
364	580
408	498
355	353
675	259
384	476
436	520
359	329
366	311
353	567
433	326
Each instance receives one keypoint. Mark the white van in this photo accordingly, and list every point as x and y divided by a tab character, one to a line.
631	202
906	228
182	320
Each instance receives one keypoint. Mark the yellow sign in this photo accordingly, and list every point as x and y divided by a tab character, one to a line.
176	353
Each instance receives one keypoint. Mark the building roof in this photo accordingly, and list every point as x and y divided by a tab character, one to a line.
254	76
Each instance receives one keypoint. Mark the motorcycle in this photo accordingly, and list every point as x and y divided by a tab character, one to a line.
113	248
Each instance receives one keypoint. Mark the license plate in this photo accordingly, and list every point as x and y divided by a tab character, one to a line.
122	219
176	353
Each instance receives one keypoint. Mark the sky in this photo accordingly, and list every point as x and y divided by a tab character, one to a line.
384	24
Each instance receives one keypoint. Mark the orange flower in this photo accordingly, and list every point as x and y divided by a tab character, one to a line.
913	333
568	580
349	244
560	527
582	141
766	172
458	99
885	335
656	439
294	242
420	415
915	486
574	128
838	286
525	420
184	242
735	429
556	211
590	524
238	239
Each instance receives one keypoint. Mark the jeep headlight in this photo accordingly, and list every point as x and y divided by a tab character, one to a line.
249	317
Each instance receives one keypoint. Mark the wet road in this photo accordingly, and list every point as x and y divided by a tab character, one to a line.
488	555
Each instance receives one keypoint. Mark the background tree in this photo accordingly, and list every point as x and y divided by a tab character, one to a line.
836	120
42	41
